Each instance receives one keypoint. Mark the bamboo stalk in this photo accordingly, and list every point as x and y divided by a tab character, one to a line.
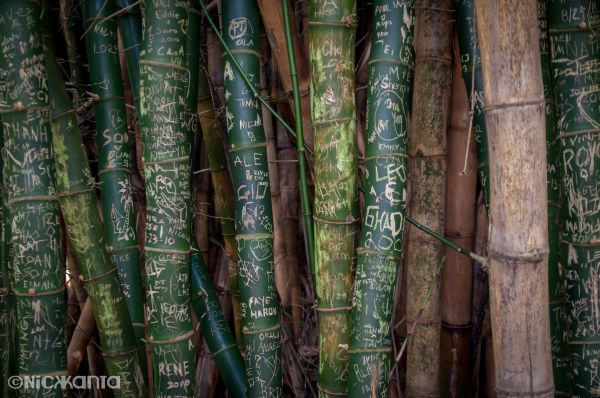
37	275
518	237
130	32
386	162
456	286
574	42
167	165
77	199
332	36
253	212
114	158
67	23
556	278
427	165
4	280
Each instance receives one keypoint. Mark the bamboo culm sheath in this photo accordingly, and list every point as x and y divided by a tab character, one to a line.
386	162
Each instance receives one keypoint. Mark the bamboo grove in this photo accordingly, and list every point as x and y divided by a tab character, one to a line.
273	198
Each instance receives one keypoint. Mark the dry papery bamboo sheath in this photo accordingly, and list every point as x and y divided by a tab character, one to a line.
427	169
460	228
518	237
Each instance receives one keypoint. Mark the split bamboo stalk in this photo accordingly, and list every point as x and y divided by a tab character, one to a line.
460	228
518	237
333	112
427	165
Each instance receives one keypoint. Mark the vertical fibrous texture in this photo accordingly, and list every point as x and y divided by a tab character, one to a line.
37	277
470	57
77	198
456	282
215	330
556	277
252	197
575	48
4	282
427	151
114	158
332	37
518	234
386	162
130	30
166	141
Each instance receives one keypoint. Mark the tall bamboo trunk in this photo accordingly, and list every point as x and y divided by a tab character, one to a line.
4	309
470	56
130	31
114	158
386	162
332	37
216	332
224	206
556	278
166	142
518	239
460	227
427	151
77	199
253	214
573	27
31	203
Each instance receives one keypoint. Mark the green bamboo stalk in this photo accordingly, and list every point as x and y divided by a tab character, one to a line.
37	267
332	36
166	143
309	229
215	330
556	278
224	206
114	159
471	67
386	162
77	199
130	30
253	212
4	308
575	48
427	151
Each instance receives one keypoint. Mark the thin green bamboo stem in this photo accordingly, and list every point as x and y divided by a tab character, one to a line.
385	193
246	78
309	229
37	276
130	30
252	197
216	332
77	198
114	159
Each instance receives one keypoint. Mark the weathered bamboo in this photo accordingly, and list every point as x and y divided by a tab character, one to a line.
386	162
471	71
37	275
332	35
573	27
219	338
77	199
253	214
556	278
68	23
167	145
427	165
114	158
460	227
518	237
4	280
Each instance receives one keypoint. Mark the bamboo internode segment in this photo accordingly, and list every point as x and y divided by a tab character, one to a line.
166	139
518	237
130	30
386	164
575	49
427	166
253	211
332	37
33	237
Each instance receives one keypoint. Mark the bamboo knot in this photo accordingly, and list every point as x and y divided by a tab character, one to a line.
18	106
582	25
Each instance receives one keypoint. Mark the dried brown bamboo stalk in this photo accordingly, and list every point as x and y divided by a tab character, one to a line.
460	227
427	154
518	236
